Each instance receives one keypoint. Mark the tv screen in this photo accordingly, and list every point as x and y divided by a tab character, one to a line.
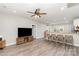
24	32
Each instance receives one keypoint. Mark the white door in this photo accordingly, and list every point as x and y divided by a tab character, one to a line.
34	31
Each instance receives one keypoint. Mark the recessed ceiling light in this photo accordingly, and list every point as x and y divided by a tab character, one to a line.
64	17
14	11
62	8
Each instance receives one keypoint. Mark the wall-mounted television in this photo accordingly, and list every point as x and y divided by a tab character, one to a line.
24	32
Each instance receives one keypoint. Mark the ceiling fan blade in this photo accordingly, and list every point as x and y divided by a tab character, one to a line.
32	15
42	13
37	13
30	12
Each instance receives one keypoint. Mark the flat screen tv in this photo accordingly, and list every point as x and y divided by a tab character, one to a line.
24	32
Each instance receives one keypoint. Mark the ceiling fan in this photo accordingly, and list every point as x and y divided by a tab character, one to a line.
37	12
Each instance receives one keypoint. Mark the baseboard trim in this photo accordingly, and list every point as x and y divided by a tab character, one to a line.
40	38
11	44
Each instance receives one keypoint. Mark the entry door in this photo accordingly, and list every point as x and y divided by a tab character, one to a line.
34	31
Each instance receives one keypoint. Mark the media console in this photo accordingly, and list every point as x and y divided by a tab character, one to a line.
2	44
25	39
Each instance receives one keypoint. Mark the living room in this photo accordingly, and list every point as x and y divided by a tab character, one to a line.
41	20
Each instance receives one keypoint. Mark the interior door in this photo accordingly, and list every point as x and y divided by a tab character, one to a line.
34	31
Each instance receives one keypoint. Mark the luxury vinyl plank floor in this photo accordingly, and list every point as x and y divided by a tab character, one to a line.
40	47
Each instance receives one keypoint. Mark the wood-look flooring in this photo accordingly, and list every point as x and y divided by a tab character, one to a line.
40	47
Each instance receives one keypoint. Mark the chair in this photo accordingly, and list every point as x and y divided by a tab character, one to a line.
68	39
50	38
60	38
54	38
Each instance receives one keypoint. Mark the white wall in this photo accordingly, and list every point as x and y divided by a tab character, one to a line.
40	30
76	22
9	25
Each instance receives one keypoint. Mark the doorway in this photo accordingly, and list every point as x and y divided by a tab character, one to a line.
34	31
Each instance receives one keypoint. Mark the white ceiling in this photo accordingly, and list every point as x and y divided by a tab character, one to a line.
56	12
